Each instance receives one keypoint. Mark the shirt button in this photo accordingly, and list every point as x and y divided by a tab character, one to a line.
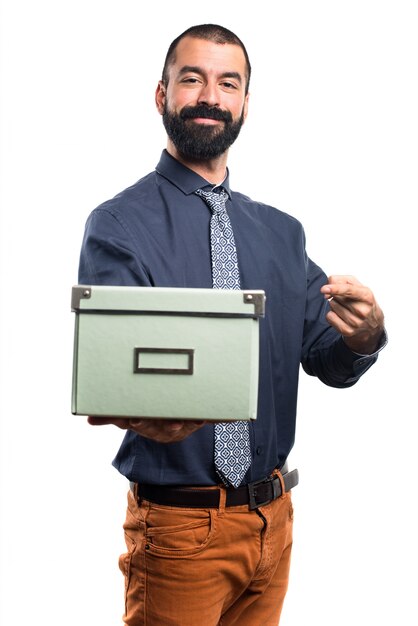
259	450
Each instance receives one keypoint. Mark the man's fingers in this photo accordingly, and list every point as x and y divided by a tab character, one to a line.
338	283
353	312
104	421
345	327
99	421
174	426
165	430
347	290
161	430
335	279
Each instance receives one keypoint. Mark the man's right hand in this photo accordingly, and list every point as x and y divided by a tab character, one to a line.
160	430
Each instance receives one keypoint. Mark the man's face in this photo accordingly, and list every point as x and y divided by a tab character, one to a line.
204	104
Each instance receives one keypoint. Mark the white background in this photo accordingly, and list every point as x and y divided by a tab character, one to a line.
332	139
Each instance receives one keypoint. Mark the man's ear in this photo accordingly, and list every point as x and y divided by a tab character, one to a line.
247	97
160	97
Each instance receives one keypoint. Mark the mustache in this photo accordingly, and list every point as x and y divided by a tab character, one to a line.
202	110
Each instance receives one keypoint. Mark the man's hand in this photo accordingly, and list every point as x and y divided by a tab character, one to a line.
161	430
354	313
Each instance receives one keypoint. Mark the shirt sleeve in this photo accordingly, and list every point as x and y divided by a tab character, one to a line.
324	353
108	253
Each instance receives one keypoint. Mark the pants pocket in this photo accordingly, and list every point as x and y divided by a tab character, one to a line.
173	531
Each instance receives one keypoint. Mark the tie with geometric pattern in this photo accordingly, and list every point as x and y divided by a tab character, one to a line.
232	439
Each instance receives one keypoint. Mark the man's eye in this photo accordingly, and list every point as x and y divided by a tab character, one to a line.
228	85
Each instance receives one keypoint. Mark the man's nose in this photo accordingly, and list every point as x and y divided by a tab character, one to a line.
209	94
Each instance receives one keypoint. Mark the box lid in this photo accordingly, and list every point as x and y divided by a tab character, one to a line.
235	302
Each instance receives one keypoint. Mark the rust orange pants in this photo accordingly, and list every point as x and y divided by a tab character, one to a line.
206	567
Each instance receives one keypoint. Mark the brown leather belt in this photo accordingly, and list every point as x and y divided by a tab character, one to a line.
256	494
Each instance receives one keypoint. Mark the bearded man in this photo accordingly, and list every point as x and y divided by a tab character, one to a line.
205	546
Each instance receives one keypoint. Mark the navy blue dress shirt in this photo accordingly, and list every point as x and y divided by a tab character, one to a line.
156	233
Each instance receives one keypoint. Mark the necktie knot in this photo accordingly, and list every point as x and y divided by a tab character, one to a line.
215	201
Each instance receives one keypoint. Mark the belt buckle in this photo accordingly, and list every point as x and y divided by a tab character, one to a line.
252	491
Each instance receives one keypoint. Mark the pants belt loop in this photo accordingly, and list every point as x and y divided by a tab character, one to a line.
134	489
222	500
280	477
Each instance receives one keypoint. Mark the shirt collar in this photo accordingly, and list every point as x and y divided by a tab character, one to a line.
184	178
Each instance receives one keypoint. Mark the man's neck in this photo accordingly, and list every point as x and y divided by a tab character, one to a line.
212	170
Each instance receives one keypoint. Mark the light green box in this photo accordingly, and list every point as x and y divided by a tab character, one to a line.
166	352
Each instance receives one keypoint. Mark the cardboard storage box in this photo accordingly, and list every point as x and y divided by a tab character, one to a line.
166	352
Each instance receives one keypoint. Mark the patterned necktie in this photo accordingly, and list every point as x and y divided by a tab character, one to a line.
232	439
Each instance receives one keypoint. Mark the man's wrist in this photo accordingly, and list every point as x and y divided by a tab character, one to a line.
368	345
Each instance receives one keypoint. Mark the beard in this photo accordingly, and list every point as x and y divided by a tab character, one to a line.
200	142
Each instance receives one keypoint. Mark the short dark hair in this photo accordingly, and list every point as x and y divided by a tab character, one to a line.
210	32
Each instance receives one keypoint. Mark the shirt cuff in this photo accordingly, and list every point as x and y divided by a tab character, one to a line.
358	363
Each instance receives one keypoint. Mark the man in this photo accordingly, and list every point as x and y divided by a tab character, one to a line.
219	553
